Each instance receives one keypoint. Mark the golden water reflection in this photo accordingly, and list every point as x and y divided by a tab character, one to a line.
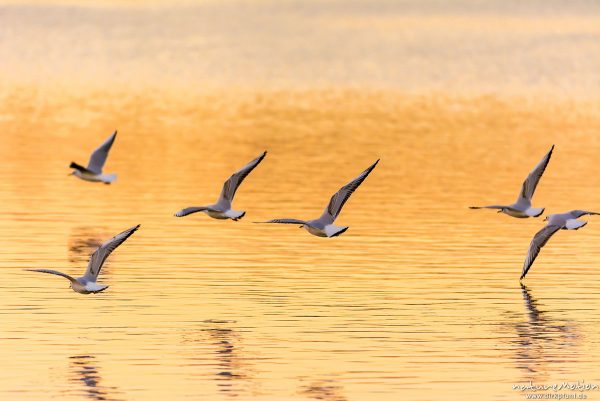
419	298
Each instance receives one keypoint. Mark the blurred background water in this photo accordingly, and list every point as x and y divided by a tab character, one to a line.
418	300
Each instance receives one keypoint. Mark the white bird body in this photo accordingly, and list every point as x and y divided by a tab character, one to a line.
327	231
323	226
222	209
522	207
215	213
87	283
105	178
93	171
87	288
556	222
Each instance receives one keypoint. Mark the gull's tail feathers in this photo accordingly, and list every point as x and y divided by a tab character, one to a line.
534	211
109	178
574	224
334	231
235	214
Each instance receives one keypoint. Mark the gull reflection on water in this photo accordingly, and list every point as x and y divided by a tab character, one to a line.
83	370
543	341
230	369
83	242
325	390
220	347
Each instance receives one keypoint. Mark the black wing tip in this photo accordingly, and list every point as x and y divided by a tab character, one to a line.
371	167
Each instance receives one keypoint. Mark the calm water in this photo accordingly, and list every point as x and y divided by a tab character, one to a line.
418	300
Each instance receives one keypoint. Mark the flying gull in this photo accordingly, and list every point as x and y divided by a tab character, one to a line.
563	221
222	209
323	226
522	207
93	171
87	284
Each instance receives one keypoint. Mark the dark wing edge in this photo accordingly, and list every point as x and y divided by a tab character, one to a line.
233	183
533	178
283	221
57	273
99	256
99	156
190	210
339	199
539	240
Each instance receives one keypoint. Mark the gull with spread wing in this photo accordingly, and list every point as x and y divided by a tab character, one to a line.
87	284
323	226
563	221
222	209
93	171
522	207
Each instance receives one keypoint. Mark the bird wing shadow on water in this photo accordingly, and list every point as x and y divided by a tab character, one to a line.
542	341
233	372
83	369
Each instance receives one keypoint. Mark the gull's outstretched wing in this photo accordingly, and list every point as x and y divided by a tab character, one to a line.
99	256
284	221
533	178
338	200
192	209
232	184
578	213
488	207
538	241
71	279
99	156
